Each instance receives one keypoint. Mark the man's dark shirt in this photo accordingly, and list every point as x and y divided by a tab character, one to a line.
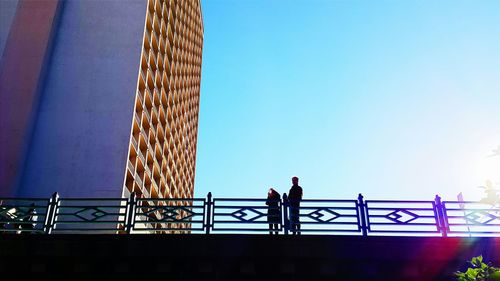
295	195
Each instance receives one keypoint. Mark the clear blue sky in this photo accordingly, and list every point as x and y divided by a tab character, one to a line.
392	99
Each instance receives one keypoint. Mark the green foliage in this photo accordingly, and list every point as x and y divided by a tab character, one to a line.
492	194
479	271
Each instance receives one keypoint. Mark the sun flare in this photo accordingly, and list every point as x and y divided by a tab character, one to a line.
488	170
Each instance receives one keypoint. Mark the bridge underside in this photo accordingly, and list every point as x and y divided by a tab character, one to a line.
246	257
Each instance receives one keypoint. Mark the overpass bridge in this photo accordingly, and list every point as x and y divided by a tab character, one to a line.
228	238
243	256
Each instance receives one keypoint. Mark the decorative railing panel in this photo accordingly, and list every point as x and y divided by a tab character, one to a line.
89	215
250	215
169	215
402	217
23	215
472	218
329	216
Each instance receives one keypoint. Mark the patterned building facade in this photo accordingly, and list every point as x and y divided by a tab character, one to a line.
99	98
162	151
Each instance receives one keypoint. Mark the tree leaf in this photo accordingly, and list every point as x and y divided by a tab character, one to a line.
471	273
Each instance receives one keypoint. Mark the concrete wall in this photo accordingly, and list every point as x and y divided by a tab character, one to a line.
80	139
247	257
25	54
7	12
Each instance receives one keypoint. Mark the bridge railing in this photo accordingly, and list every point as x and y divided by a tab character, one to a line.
24	215
328	216
246	215
92	215
242	215
168	216
402	217
471	218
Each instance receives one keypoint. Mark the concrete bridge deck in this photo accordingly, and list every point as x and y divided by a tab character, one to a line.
245	257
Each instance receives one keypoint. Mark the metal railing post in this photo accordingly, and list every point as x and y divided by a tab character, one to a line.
130	212
209	213
286	204
51	213
362	215
441	214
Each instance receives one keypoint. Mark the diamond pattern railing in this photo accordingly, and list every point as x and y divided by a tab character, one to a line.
464	218
23	215
329	216
88	215
244	215
399	217
168	215
236	215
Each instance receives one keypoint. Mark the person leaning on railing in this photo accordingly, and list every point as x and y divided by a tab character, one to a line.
273	211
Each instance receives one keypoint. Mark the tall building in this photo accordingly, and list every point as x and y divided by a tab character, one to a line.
99	98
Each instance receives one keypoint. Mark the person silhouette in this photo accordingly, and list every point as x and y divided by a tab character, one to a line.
294	197
273	211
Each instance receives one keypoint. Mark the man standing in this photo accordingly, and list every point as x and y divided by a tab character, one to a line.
294	197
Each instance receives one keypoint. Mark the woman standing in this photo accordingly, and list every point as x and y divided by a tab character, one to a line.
273	211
